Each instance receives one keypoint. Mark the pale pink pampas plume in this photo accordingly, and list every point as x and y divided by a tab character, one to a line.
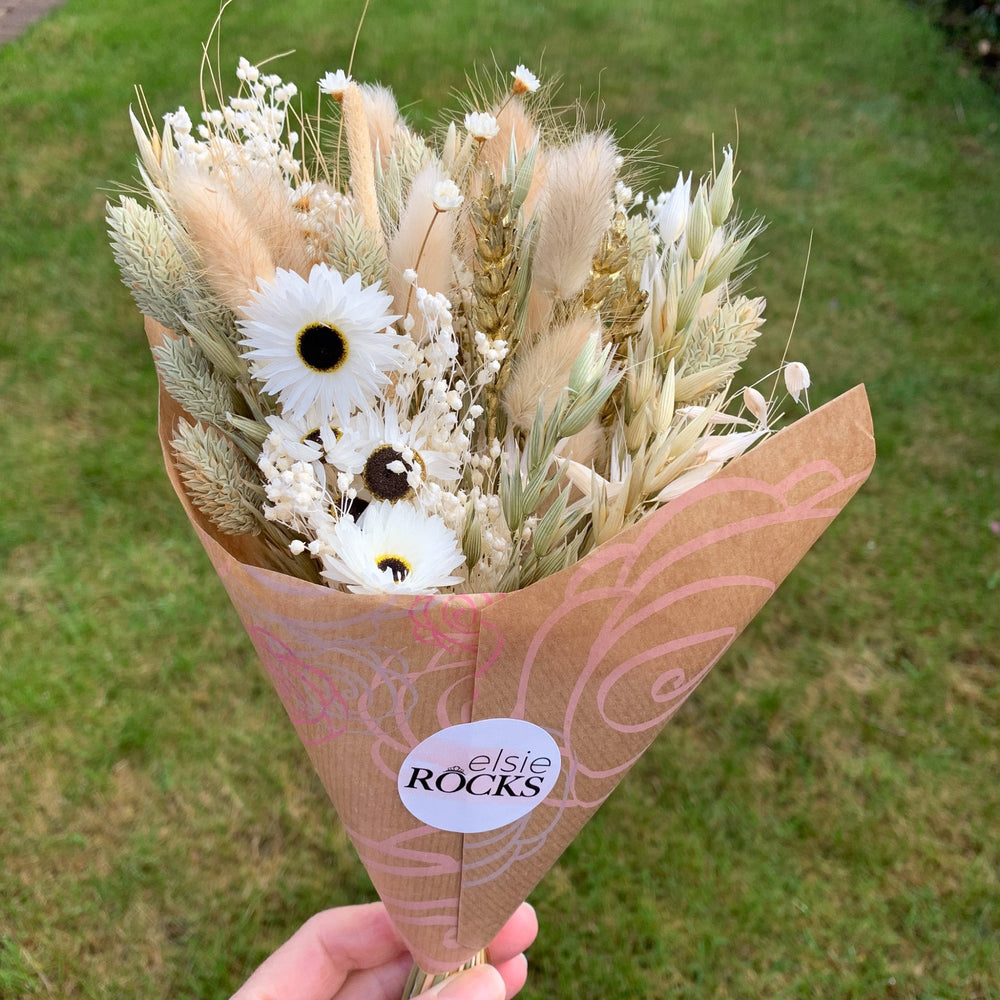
232	252
263	197
434	271
512	120
576	209
383	117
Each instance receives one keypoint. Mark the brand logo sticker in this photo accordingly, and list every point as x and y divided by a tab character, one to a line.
479	776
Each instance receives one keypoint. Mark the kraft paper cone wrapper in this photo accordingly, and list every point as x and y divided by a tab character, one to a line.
599	655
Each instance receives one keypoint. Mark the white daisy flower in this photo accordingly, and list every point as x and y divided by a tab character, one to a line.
391	463
335	84
393	549
525	82
796	379
447	196
297	440
301	437
481	125
320	343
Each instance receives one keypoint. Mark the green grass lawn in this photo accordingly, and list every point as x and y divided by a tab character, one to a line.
819	821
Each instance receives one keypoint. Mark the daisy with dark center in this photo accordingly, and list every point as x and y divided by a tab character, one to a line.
392	549
390	462
320	342
386	474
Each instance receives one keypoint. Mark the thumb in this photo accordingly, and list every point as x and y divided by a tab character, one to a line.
481	982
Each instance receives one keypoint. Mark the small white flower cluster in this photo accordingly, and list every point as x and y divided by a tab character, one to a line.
295	494
252	128
493	352
625	198
403	450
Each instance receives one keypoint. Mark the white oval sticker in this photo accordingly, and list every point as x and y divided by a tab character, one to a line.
479	776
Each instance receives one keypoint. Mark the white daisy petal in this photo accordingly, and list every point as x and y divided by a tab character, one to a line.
393	549
320	343
481	125
525	82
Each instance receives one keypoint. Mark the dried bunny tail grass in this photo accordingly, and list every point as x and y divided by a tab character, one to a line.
359	153
383	117
542	370
588	446
517	128
408	156
264	197
577	208
232	252
415	226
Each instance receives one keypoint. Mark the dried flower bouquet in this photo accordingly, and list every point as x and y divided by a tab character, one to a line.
454	419
420	368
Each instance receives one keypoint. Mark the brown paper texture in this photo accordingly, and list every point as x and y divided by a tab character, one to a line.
600	655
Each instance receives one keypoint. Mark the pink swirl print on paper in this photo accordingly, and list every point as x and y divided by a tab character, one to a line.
635	628
316	707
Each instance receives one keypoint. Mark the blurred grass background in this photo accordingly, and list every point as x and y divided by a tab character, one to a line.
819	821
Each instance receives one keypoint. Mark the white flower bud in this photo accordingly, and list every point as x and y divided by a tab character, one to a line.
754	401
481	125
796	379
447	196
672	213
720	201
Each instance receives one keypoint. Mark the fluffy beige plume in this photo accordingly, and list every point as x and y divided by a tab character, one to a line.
359	152
576	209
435	269
263	196
512	120
233	254
542	369
539	311
383	117
587	446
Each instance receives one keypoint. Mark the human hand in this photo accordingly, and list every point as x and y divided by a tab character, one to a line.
354	953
